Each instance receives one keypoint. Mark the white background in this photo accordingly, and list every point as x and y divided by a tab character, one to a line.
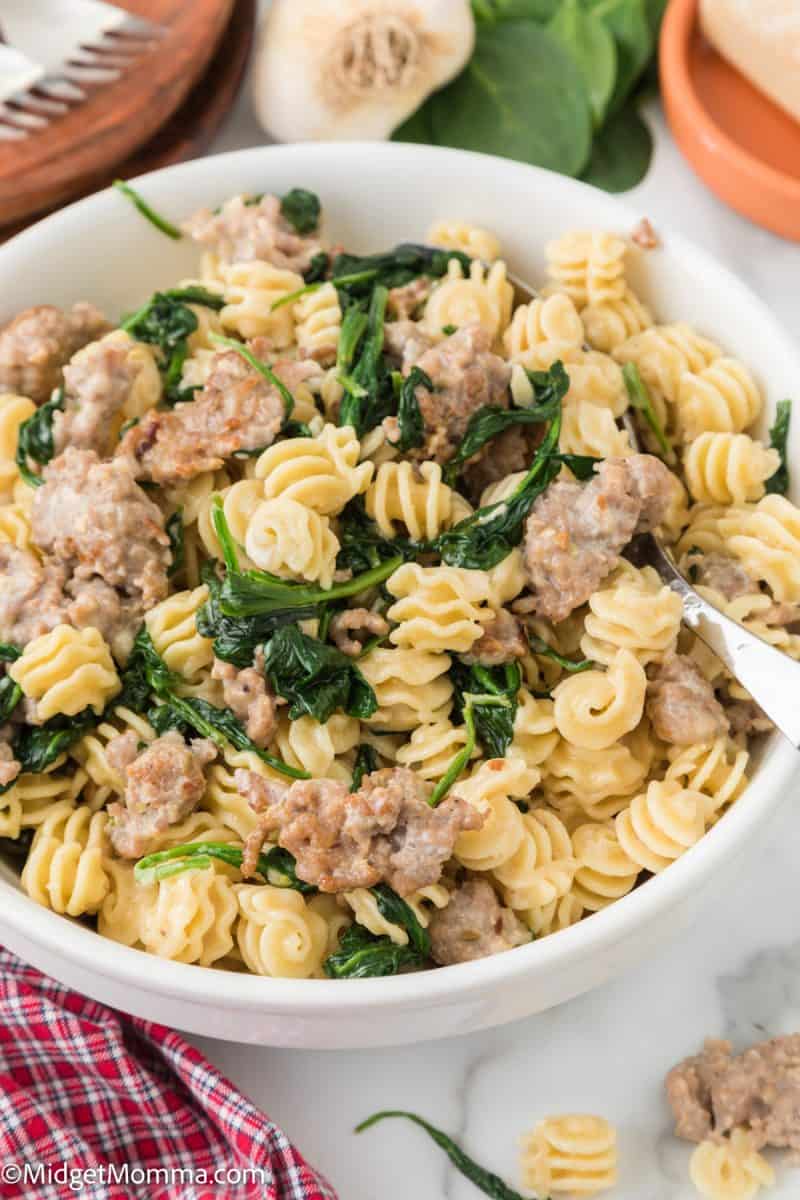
736	974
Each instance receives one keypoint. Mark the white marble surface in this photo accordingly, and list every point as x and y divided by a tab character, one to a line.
736	974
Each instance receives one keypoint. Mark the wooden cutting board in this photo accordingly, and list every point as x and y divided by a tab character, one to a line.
79	149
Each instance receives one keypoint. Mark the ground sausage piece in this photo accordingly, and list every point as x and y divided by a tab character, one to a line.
689	1090
96	604
97	383
644	235
386	830
714	1093
94	517
9	767
466	376
503	640
236	410
163	785
405	341
356	620
248	232
722	574
404	301
39	341
575	532
246	693
745	716
681	703
31	595
474	925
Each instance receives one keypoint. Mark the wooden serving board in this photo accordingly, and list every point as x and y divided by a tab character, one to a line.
55	164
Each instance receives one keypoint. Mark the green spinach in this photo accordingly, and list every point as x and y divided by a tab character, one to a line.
302	210
261	367
409	418
356	276
590	44
494	724
10	696
35	439
366	762
491	1185
316	679
621	152
778	440
640	399
572	667
363	955
177	545
276	865
368	391
139	202
167	322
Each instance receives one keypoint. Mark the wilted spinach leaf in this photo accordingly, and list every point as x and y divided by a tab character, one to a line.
317	679
494	724
366	762
368	390
362	955
778	439
167	322
356	276
174	528
35	438
409	417
301	209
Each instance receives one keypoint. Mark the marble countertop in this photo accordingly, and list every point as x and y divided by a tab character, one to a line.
736	974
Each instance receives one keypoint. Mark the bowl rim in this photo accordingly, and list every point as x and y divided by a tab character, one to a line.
677	29
68	940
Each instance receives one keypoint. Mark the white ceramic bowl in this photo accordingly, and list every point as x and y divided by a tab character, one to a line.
375	196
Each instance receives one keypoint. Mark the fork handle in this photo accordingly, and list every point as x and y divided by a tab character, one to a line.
769	675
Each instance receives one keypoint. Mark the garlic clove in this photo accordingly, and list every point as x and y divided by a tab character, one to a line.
344	70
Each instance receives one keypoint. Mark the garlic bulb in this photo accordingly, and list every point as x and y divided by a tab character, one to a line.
341	70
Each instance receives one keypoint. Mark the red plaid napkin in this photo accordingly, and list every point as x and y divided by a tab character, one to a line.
84	1087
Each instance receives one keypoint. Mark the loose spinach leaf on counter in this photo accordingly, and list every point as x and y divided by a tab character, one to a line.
368	390
277	866
488	535
356	276
409	418
494	724
549	389
316	679
35	439
366	762
301	209
628	22
588	41
778	440
490	1184
167	322
174	528
621	152
363	955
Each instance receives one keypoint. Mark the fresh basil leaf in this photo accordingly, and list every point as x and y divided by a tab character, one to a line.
778	440
35	439
302	210
590	44
521	96
621	153
316	679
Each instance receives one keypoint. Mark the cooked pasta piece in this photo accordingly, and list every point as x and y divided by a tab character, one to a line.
466	238
66	671
730	1169
306	744
573	1155
65	869
322	473
595	709
723	397
14	410
485	298
543	331
278	933
438	608
403	494
611	322
291	540
632	611
318	316
423	904
728	468
412	687
588	265
15	526
191	918
535	734
251	291
605	872
718	770
661	824
432	747
172	625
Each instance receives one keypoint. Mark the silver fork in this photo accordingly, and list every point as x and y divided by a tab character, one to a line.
769	675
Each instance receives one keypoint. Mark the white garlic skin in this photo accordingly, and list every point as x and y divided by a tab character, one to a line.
350	70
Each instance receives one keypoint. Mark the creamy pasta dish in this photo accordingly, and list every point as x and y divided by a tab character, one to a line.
322	651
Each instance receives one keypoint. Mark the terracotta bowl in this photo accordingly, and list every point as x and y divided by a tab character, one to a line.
739	142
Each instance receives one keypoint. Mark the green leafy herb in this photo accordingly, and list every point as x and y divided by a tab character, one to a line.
10	696
628	22
167	322
316	679
621	152
369	394
494	724
778	440
363	955
177	545
590	44
259	594
409	417
366	762
356	276
521	96
640	399
35	439
276	866
161	223
491	1185
488	535
573	667
549	388
302	210
259	366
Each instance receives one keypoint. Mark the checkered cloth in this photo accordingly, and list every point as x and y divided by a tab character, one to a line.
83	1086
